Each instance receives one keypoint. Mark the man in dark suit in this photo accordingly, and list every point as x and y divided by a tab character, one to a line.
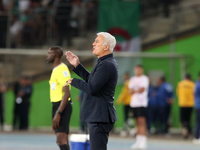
98	88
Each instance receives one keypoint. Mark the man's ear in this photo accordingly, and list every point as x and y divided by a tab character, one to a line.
106	47
56	54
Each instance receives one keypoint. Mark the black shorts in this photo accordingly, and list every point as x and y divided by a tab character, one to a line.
139	112
65	117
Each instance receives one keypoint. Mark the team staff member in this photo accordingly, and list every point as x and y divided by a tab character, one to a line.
152	109
125	99
17	99
185	93
196	140
97	107
138	87
165	98
25	96
60	97
2	91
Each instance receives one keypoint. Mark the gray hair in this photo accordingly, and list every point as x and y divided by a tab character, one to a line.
108	40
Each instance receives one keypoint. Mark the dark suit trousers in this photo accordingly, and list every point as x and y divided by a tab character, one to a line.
99	133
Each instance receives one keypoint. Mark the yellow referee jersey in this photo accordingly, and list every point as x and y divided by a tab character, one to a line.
59	76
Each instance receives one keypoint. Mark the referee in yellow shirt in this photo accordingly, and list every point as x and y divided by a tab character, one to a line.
185	93
60	97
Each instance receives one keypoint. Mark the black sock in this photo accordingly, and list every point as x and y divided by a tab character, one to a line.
64	147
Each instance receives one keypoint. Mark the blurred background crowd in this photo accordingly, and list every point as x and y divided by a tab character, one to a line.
22	91
38	22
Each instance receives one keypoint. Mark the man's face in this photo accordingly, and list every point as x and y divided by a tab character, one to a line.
126	77
50	56
138	71
23	81
98	47
158	82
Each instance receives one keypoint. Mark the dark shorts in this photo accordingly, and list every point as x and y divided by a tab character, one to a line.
139	112
65	117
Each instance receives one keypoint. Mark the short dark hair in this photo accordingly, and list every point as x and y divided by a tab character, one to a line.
199	74
25	77
139	65
126	73
58	50
163	79
188	76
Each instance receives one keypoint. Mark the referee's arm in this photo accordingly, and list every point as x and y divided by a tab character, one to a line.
65	98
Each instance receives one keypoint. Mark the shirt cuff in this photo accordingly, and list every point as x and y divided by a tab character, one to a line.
73	82
78	67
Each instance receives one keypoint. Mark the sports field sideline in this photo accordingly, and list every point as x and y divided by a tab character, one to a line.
46	141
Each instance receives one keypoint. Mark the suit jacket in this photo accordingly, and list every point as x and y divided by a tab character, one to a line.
98	90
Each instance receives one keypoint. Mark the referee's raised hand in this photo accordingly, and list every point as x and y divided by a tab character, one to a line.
73	59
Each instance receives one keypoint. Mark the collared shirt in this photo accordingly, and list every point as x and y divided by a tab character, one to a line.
59	76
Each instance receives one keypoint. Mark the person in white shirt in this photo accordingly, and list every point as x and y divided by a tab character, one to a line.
138	87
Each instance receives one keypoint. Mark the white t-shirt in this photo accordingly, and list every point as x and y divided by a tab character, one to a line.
136	83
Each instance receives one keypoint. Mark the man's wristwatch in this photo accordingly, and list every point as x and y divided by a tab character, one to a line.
58	112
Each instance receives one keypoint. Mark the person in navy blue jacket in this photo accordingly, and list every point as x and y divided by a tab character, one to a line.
196	140
98	88
165	99
152	109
